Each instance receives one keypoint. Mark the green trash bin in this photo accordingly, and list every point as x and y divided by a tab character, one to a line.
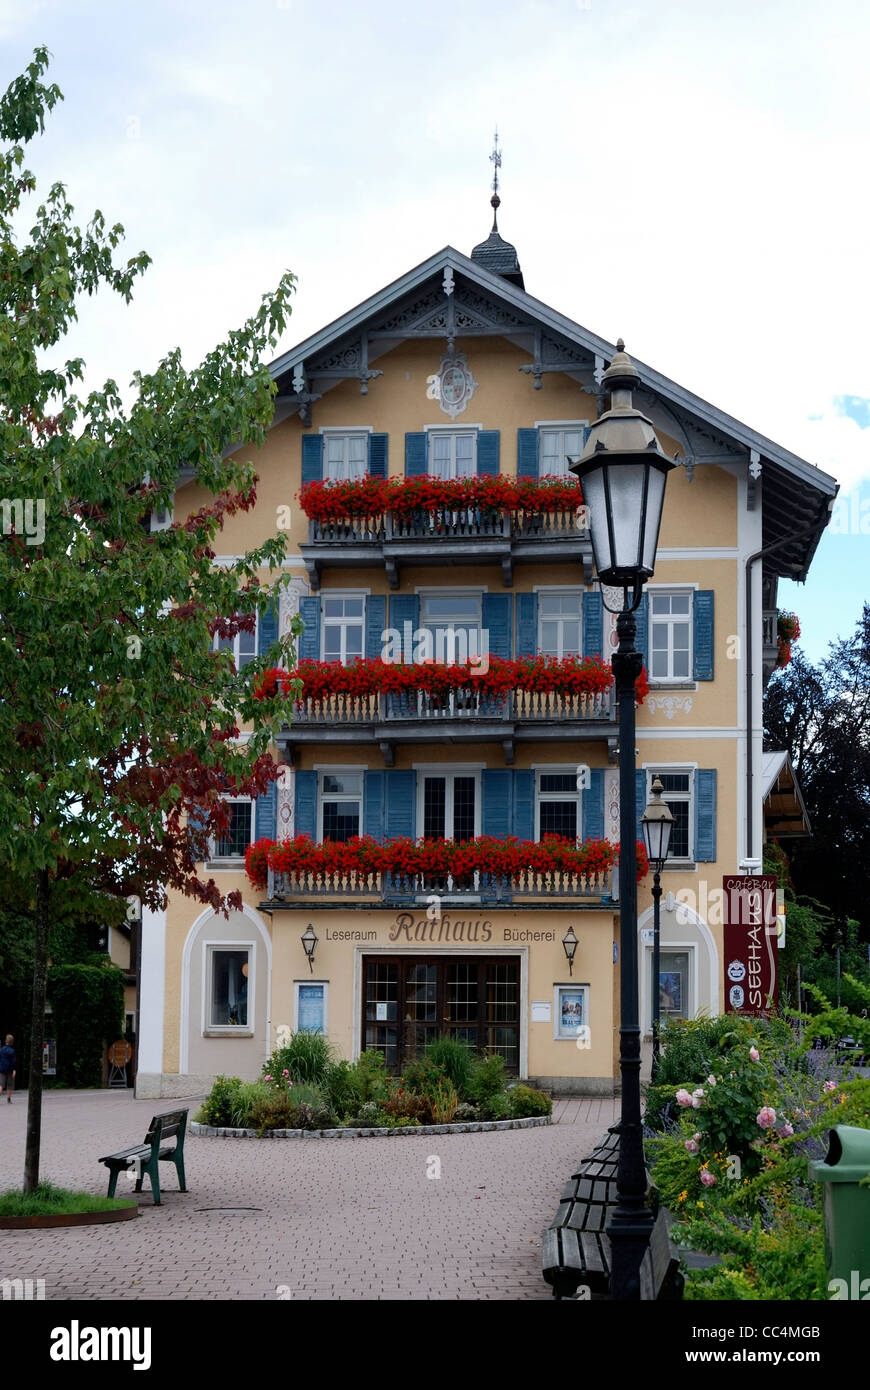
847	1210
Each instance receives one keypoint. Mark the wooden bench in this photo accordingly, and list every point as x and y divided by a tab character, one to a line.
157	1147
576	1247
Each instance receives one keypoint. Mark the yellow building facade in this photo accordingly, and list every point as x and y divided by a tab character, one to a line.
455	372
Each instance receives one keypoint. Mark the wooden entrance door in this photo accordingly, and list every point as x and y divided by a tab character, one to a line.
409	1000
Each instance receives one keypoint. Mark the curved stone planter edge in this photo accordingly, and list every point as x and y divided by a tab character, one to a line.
474	1127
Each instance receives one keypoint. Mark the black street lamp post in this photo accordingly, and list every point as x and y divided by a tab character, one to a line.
657	822
623	471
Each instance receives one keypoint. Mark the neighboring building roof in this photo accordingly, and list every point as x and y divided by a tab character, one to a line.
785	815
797	496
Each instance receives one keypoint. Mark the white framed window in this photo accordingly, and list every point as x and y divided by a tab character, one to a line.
448	805
345	455
452	453
339	805
558	443
342	627
557	803
243	646
228	981
670	635
311	1006
239	834
678	793
560	622
571	1013
454	611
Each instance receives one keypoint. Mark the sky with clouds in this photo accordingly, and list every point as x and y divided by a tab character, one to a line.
688	174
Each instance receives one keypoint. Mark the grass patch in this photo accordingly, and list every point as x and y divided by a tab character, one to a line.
49	1200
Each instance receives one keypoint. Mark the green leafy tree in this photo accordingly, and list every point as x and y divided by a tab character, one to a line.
118	718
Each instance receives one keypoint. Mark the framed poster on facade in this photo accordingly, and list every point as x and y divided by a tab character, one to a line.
310	1011
571	1011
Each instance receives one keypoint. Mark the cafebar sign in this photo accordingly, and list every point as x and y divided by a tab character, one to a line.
750	929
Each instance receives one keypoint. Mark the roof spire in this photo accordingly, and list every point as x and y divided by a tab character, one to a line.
495	254
495	200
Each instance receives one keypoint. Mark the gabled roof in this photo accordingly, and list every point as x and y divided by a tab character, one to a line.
785	814
797	495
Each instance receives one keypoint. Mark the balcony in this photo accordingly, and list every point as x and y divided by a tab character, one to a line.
769	643
286	890
462	716
497	521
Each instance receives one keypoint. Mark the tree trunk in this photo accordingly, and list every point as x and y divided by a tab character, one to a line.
37	1033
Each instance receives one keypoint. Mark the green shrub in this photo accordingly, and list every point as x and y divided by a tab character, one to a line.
218	1107
295	1107
487	1077
422	1076
454	1057
525	1102
340	1086
88	1005
495	1107
786	1262
406	1105
248	1094
306	1057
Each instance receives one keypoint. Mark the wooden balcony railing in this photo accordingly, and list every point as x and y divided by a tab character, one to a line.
469	523
527	706
525	886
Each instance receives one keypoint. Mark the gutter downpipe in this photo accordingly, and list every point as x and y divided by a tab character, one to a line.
759	554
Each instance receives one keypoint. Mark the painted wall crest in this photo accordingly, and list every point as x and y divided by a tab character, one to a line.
453	384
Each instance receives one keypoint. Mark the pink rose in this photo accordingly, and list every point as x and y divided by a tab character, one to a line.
707	1178
268	1078
683	1098
697	1135
766	1117
691	1146
830	1086
698	1098
711	1080
785	1131
754	1054
285	1072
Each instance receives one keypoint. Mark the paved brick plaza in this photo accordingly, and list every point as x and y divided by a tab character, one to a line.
352	1219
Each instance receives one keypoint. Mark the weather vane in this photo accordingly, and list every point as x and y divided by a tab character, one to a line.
495	159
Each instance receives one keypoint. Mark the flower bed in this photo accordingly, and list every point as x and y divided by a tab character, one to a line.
317	680
304	1088
366	857
368	497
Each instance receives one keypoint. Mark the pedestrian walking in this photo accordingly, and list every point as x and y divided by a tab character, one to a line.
8	1064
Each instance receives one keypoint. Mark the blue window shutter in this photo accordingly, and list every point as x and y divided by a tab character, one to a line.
305	819
267	627
400	808
376	621
527	624
415	455
640	800
378	455
702	634
487	453
642	639
308	646
266	813
498	618
593	624
496	815
312	458
705	815
592	809
373	804
527	453
196	824
524	805
404	608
